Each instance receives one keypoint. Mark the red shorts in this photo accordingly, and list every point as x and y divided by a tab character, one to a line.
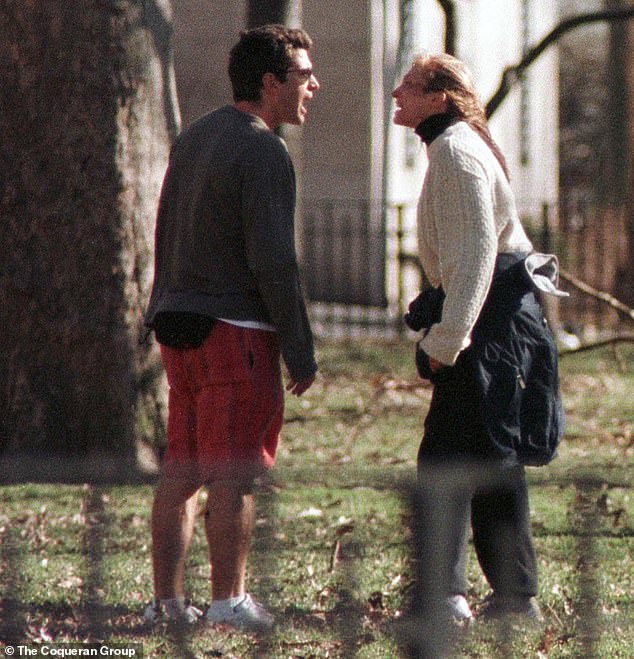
226	405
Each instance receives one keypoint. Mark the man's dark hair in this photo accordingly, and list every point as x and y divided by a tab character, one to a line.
266	49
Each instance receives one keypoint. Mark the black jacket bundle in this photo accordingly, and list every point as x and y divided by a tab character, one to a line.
513	362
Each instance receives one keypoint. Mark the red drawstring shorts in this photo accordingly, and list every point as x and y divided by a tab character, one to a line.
226	405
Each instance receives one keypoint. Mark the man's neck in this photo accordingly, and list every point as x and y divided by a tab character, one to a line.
256	109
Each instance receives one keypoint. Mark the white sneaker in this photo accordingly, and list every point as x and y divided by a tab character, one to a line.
459	608
177	610
247	614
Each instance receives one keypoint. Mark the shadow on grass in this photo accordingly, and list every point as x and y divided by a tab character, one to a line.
51	622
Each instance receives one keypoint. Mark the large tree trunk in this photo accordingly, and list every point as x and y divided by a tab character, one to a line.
87	114
626	292
261	12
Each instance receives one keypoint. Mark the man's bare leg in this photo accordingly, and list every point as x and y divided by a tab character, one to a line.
173	518
229	520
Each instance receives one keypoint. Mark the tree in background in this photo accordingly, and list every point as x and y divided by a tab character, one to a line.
596	130
618	173
262	12
87	117
596	125
627	290
583	105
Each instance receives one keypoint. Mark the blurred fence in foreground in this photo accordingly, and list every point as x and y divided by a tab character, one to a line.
417	639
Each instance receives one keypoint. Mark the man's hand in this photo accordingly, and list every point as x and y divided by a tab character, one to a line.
298	388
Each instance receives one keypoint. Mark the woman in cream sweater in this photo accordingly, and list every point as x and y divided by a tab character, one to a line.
472	247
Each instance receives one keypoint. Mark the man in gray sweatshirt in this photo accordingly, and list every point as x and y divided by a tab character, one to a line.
226	302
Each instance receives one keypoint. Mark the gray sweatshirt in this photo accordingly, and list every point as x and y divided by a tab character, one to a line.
225	244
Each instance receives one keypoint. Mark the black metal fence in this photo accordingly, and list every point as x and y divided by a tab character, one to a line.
343	252
595	244
360	264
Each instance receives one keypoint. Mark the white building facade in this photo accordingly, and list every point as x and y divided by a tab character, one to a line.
354	166
490	35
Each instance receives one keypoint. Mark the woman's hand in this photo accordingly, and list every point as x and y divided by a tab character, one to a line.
435	365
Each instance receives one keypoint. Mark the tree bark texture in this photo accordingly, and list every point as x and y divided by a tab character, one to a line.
626	291
87	115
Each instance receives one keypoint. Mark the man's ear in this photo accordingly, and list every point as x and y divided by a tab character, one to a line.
270	82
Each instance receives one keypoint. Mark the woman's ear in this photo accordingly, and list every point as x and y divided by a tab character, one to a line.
441	101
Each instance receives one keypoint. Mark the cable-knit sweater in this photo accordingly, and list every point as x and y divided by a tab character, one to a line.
466	216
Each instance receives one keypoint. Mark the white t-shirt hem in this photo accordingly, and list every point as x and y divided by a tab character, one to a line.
250	324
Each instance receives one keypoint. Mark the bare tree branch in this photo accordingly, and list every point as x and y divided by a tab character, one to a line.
599	295
512	74
448	6
625	338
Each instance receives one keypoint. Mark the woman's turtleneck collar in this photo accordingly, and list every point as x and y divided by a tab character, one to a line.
429	129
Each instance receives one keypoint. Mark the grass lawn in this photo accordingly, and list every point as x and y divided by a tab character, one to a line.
332	545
